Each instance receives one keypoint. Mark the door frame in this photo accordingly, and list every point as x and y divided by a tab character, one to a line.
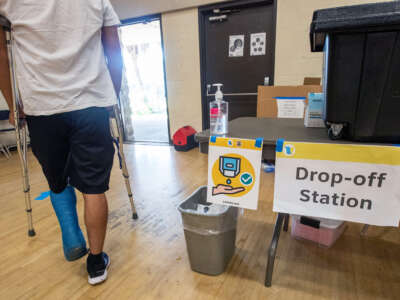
202	15
146	19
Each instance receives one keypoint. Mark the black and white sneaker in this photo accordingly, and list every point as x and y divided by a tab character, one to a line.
97	266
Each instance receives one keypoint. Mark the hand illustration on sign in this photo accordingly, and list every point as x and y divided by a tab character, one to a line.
226	189
233	175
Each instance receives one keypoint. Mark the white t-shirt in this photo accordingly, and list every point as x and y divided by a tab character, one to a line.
59	55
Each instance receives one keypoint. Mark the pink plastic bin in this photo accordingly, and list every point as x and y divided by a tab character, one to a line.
327	233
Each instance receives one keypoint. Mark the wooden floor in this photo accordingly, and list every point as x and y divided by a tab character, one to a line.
148	256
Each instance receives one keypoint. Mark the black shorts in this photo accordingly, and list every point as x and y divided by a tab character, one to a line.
74	147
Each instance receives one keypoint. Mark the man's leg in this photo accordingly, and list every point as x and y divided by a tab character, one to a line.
64	204
92	154
96	214
50	145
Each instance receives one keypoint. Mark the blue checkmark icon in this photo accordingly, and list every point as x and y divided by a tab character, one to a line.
246	179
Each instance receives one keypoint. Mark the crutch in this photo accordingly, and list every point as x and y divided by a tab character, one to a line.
20	130
118	140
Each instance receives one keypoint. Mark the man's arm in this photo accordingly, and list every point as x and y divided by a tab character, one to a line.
112	50
5	82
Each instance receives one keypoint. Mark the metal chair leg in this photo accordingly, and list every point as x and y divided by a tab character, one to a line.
4	150
124	168
21	136
8	151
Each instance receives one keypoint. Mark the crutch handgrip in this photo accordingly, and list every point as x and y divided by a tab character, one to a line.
5	23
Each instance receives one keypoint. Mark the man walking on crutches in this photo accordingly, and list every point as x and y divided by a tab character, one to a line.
68	66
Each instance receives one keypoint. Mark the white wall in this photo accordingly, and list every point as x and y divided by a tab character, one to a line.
136	8
182	64
293	58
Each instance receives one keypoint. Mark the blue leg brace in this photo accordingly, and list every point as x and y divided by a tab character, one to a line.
64	205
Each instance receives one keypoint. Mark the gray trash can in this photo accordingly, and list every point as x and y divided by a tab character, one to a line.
210	232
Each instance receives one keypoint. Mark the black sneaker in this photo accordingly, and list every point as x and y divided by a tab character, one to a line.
97	270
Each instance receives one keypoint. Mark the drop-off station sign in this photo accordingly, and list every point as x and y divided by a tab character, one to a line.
359	183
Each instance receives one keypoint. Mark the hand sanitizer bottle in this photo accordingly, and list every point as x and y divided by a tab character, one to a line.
218	113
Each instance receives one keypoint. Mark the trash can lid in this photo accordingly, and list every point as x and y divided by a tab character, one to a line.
203	210
196	204
4	22
356	18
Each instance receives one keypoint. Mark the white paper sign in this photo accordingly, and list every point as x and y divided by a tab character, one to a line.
290	107
236	45
258	43
234	171
341	182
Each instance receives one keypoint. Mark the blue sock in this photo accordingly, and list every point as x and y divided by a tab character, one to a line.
64	205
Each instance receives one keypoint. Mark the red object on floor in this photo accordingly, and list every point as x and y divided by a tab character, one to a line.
184	139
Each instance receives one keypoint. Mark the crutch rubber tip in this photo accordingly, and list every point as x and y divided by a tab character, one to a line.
135	216
31	232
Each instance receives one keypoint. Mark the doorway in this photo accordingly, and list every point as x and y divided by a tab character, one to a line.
143	94
237	49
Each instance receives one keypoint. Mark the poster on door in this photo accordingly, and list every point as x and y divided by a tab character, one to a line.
258	43
357	183
234	171
236	45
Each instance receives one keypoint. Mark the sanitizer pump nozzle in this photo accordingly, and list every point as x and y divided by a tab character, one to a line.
218	94
219	113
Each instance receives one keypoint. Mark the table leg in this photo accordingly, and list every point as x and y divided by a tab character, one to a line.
286	223
364	229
272	249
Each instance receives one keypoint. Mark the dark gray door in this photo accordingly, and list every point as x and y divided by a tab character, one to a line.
237	45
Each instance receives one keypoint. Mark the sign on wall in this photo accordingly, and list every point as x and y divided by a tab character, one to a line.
234	171
358	183
236	45
258	43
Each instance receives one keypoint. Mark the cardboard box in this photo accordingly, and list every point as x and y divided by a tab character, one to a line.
312	81
267	104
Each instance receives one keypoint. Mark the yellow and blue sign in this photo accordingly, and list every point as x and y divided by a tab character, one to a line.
234	171
375	154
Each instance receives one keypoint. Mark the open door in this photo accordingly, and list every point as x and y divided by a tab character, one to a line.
145	103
